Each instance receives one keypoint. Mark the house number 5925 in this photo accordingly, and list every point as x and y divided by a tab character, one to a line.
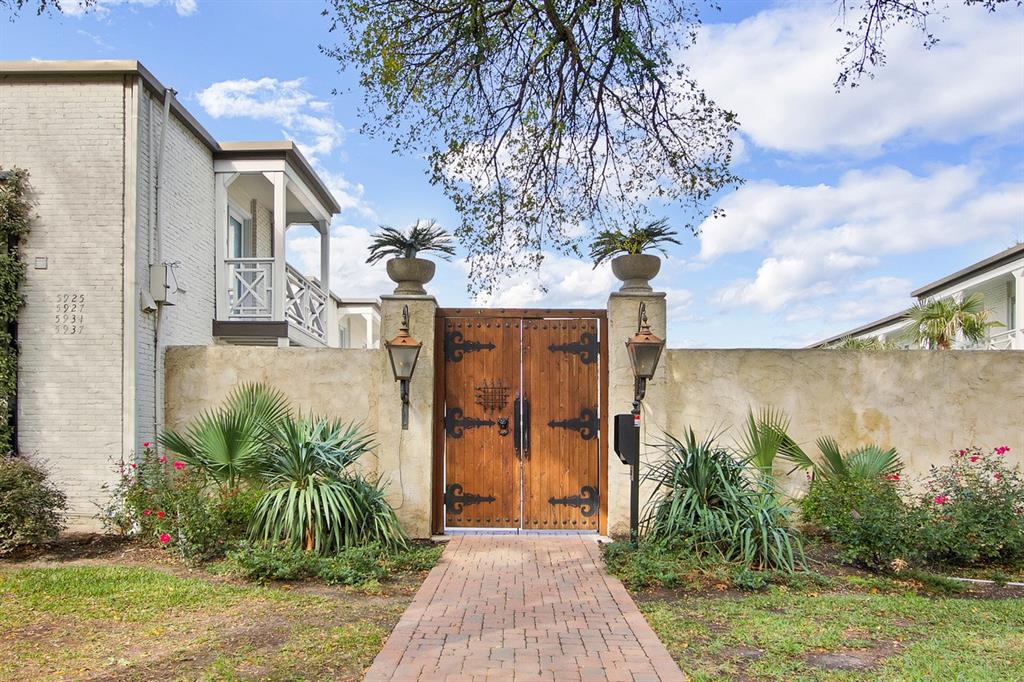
69	314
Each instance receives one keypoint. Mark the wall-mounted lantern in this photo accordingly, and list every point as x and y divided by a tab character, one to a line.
403	351
644	352
644	349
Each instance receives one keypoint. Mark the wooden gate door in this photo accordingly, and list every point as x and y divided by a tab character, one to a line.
521	401
561	476
482	384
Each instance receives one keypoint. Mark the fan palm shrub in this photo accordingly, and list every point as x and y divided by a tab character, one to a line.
939	323
868	461
717	506
634	241
314	501
855	343
226	444
423	235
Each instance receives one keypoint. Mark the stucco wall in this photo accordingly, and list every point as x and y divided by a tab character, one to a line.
70	136
334	382
923	403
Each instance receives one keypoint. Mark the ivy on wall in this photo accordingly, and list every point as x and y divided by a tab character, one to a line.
15	214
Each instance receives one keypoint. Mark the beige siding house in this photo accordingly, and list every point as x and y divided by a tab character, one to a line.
148	234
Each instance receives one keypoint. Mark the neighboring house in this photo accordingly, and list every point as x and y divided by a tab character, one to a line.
356	321
148	233
998	280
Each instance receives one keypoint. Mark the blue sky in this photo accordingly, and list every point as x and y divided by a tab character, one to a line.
851	199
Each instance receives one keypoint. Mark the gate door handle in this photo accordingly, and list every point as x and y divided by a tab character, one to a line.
517	430
526	427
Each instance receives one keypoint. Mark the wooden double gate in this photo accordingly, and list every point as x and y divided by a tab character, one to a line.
520	396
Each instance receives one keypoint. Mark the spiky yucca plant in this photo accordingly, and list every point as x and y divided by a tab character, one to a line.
423	235
634	241
314	501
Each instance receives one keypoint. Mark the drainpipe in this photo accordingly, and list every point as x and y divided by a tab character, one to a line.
156	258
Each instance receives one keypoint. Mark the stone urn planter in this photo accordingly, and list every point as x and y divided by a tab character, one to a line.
410	274
636	271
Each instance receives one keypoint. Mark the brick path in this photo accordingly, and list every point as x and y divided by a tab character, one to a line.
522	608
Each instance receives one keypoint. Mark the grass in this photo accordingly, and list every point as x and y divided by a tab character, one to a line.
894	636
723	624
138	623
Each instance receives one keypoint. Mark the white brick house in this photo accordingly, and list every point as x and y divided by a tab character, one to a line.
133	250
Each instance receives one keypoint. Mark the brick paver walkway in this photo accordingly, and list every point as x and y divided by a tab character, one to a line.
522	608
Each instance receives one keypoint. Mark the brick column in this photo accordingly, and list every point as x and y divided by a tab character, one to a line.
622	324
405	457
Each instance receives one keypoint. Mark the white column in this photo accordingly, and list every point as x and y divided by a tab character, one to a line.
368	321
325	257
221	183
1018	309
279	281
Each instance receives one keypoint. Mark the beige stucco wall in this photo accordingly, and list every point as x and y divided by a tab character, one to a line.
70	135
334	382
923	403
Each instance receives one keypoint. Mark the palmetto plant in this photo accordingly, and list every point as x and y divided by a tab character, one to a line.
868	461
940	322
855	343
763	438
313	500
226	443
423	235
711	503
636	240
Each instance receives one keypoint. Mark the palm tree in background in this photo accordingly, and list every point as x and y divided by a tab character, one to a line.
938	324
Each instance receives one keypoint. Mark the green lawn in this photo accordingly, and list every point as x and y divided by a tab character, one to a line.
782	634
135	623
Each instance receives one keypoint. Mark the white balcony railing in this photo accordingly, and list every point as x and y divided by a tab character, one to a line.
250	288
251	295
305	304
1003	340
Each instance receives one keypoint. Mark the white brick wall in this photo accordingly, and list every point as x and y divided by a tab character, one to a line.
188	241
70	136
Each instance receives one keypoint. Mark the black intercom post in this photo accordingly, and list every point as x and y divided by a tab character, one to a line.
627	447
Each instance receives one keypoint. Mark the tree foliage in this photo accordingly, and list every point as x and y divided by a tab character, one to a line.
539	118
15	217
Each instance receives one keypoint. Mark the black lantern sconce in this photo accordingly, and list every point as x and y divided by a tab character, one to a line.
644	349
403	351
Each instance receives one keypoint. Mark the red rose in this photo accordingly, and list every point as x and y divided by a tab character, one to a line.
179	465
974	458
145	445
164	538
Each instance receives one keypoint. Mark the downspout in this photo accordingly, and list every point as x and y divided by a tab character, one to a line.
156	258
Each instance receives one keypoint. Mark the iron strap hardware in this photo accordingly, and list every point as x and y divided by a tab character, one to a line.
455	424
455	500
587	500
587	348
455	347
588	423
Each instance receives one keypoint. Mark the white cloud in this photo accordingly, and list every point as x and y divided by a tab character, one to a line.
569	283
184	8
96	40
818	239
285	102
776	71
350	275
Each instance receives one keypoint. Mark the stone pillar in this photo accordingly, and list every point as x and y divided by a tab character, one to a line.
405	458
622	324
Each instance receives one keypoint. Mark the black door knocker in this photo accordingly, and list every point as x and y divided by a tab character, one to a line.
502	426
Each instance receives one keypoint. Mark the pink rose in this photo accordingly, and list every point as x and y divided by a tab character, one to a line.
147	512
974	458
941	499
179	465
162	459
146	444
164	538
998	476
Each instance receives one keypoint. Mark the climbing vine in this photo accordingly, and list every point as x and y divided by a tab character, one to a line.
15	214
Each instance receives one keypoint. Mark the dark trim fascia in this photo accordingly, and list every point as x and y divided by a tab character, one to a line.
255	328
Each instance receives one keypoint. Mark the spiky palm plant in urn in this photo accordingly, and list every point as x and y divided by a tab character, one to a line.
404	268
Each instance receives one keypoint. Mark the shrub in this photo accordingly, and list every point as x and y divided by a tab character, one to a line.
649	565
352	566
32	510
974	510
718	507
866	517
313	500
166	503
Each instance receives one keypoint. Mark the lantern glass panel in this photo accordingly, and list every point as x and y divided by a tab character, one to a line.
403	360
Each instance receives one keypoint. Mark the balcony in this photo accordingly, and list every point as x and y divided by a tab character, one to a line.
262	191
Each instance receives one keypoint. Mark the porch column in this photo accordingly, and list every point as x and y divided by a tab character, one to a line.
279	278
1018	309
368	321
325	257
622	319
405	458
220	186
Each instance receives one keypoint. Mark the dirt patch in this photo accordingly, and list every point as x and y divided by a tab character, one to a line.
850	659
